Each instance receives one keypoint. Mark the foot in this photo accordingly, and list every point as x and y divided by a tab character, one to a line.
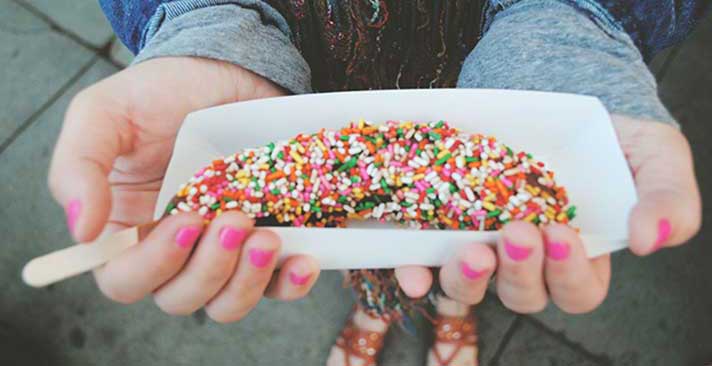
360	341
455	335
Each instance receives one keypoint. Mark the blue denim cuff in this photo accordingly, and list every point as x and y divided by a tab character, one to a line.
591	8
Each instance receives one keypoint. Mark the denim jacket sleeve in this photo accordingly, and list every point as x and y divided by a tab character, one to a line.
248	33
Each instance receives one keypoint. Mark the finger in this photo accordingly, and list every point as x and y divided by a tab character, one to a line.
669	209
294	280
576	283
91	139
209	268
520	279
155	260
415	281
465	277
246	287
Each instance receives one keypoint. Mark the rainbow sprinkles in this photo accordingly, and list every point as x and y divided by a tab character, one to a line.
423	175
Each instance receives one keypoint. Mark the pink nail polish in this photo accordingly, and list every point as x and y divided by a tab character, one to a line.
471	273
299	280
664	231
187	236
516	252
72	212
231	239
557	251
260	258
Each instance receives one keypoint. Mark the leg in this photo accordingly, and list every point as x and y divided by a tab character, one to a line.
360	341
455	335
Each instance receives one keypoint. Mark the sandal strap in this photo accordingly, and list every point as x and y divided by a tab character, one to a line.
455	329
360	343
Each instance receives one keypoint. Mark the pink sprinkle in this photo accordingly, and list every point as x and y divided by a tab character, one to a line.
364	174
325	183
507	182
479	213
411	153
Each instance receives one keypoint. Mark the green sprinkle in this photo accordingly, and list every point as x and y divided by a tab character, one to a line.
355	179
344	137
170	207
442	160
348	164
315	209
434	136
453	188
494	213
215	206
440	124
384	185
406	204
437	203
343	199
471	159
280	155
270	146
509	151
275	191
529	156
571	212
430	190
536	220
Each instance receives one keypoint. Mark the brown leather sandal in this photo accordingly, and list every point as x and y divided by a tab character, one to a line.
455	330
362	344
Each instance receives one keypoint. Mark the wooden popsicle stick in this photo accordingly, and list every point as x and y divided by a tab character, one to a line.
80	258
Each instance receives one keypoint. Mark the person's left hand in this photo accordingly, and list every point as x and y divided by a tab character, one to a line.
534	263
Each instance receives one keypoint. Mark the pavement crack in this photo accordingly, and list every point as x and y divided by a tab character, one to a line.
48	103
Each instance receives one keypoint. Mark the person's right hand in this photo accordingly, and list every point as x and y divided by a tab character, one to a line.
108	167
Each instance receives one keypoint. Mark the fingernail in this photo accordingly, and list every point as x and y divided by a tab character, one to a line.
517	252
557	251
299	280
72	212
187	236
664	231
230	238
260	258
471	273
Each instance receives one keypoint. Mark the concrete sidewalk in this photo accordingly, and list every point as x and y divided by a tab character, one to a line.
658	312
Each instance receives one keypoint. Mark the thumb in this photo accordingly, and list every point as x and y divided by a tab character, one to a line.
668	212
91	139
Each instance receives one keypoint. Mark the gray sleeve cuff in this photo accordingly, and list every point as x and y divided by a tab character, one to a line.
549	45
236	35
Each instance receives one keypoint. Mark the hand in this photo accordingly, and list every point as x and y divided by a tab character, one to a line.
106	172
534	263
